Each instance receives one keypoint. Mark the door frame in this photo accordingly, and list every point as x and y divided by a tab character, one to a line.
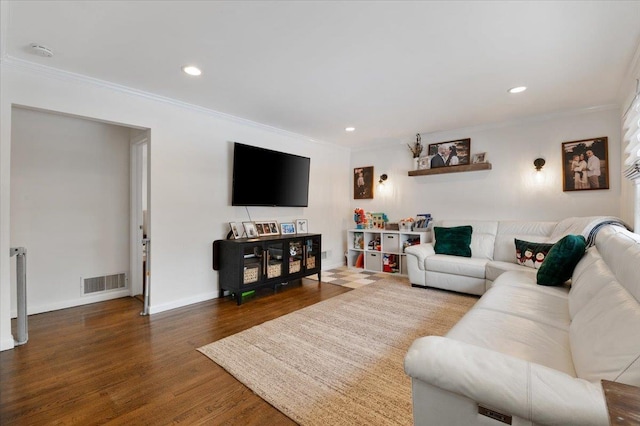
138	142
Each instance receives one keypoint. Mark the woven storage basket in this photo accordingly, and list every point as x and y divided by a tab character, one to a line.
294	266
250	275
311	262
274	270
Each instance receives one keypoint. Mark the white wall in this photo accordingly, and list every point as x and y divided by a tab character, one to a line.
190	169
69	205
510	190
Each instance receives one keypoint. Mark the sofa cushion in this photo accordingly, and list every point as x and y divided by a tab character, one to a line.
483	238
590	275
469	267
529	231
496	268
517	336
453	241
561	260
531	254
605	341
528	300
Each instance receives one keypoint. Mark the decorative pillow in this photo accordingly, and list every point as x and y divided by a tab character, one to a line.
455	241
531	254
561	260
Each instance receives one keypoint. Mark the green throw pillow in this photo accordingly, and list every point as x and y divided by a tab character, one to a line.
531	254
561	260
454	241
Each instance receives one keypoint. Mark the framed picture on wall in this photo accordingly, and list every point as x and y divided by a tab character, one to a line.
585	164
451	153
362	183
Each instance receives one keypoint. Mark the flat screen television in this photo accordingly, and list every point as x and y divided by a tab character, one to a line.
262	177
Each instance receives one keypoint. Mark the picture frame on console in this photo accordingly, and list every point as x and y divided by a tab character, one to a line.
273	227
250	229
287	228
362	183
450	153
234	230
302	226
585	164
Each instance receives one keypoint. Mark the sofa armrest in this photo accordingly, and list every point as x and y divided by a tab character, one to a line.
506	384
421	252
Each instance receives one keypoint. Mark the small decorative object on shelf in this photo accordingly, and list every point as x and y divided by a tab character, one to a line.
479	157
392	226
406	224
422	222
416	150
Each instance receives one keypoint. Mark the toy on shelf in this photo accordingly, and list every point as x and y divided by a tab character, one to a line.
359	218
389	263
358	240
379	219
375	244
410	242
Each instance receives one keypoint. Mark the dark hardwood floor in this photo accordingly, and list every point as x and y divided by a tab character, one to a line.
104	363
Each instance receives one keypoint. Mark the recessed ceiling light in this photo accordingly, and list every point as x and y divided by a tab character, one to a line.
349	129
191	70
517	89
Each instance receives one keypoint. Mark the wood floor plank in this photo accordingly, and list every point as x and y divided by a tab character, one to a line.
104	362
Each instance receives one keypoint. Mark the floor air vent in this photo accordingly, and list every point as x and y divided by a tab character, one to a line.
104	283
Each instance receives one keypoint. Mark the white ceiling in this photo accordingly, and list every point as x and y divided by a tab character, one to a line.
391	69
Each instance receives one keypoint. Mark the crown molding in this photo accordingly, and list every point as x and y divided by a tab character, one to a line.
67	76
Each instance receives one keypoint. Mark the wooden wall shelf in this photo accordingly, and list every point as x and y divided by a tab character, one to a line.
451	169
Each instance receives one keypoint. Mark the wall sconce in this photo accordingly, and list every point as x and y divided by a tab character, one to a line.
538	163
383	177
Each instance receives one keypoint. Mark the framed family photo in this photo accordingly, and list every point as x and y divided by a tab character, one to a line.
585	164
451	153
250	229
267	228
362	183
287	228
234	230
480	157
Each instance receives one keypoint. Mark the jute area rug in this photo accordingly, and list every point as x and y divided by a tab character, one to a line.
340	361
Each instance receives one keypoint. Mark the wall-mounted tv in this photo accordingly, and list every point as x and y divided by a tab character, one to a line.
262	177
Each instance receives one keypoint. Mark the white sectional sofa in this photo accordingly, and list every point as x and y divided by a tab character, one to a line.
534	353
492	252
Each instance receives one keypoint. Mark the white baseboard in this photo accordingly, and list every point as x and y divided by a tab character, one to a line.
154	309
85	300
6	344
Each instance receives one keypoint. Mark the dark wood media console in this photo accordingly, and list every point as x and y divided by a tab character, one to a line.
249	264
